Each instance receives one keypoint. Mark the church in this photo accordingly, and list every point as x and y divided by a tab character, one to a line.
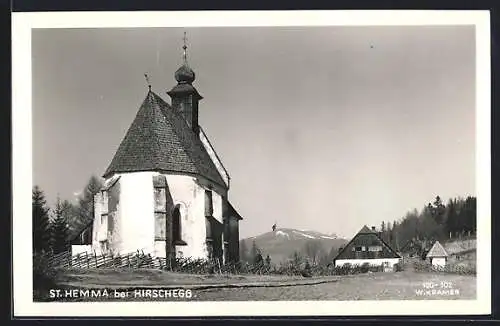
166	190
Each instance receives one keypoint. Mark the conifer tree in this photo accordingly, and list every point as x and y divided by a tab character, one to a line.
84	212
41	221
59	227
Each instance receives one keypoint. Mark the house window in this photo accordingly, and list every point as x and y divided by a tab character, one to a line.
375	248
209	209
176	225
358	248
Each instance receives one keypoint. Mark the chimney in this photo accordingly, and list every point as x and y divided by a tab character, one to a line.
373	228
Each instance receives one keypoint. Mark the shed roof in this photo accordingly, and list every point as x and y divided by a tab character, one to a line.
437	250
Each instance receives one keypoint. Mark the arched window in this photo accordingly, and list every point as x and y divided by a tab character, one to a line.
176	224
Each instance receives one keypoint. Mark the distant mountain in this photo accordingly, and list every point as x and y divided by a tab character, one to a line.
282	243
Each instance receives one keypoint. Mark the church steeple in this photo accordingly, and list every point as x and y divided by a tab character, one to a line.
185	97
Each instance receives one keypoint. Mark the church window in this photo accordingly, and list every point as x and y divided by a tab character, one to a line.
176	224
209	210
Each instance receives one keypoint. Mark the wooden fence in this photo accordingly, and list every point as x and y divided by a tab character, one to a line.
136	259
91	260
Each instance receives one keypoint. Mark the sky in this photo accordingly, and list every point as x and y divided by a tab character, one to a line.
320	128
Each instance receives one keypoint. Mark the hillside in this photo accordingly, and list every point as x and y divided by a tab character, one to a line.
459	245
282	243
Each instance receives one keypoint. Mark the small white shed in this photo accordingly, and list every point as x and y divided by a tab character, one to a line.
437	255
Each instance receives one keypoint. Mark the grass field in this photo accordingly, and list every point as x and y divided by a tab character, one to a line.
377	286
407	285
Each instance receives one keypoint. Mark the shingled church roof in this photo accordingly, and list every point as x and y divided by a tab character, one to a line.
160	139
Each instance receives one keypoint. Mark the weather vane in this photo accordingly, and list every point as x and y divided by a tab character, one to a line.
147	81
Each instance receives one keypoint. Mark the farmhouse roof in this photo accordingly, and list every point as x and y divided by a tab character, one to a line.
160	139
366	238
365	229
437	250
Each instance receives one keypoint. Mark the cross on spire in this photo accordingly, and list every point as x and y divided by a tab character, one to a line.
147	81
184	47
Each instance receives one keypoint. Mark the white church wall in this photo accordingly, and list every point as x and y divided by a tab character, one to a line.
159	249
190	196
131	217
97	222
217	206
114	236
102	231
137	212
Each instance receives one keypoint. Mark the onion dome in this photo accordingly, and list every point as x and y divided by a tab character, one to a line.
184	74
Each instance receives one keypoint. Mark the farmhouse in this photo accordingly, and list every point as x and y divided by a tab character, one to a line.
166	189
437	255
367	247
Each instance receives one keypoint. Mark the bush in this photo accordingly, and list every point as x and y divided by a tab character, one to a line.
43	276
398	267
469	269
364	268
